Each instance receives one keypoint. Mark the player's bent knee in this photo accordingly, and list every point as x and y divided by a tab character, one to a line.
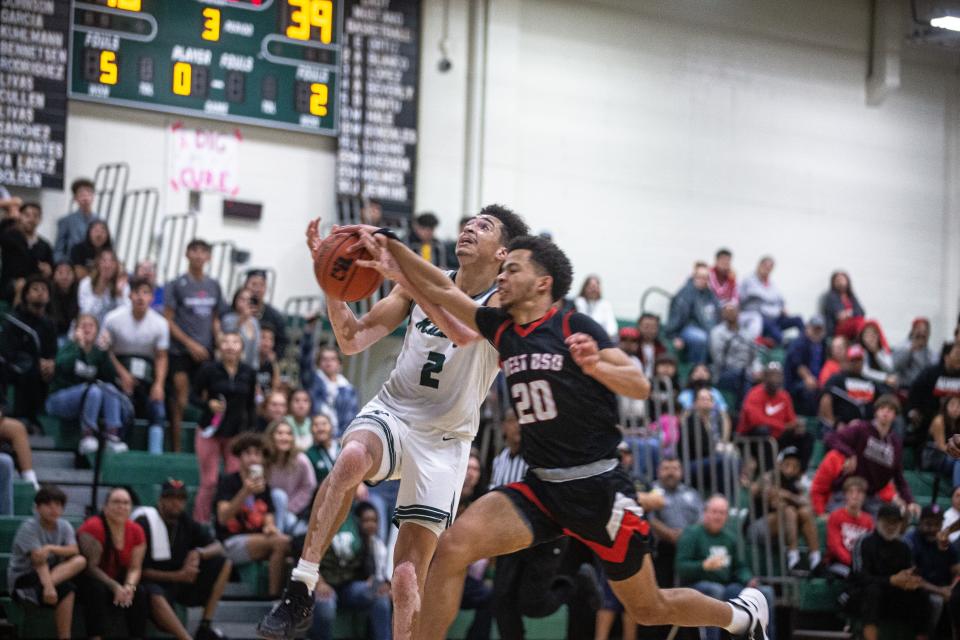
351	466
456	548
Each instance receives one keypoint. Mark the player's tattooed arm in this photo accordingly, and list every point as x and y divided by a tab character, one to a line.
611	367
430	281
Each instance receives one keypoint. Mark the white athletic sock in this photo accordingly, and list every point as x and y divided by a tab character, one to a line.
306	572
740	623
814	559
793	558
31	476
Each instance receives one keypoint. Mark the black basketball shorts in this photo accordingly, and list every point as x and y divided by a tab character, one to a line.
599	511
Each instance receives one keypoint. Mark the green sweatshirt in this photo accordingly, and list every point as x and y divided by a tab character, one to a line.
74	366
696	545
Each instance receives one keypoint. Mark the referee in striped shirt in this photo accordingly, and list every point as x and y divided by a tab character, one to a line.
509	466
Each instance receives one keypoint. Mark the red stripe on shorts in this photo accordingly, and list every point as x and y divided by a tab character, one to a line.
632	523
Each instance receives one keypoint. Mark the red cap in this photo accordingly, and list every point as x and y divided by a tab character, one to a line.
629	333
854	352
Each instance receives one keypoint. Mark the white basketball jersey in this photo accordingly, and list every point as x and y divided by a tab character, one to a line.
436	384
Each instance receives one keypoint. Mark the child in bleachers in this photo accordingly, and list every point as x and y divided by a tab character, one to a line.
847	525
788	505
298	417
44	558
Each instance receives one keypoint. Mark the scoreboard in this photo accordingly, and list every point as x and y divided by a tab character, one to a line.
274	63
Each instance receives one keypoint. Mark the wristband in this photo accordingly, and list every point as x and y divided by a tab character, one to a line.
388	232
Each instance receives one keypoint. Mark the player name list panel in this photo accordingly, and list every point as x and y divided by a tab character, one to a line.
33	92
273	63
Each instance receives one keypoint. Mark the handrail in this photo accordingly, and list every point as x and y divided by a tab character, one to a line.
110	184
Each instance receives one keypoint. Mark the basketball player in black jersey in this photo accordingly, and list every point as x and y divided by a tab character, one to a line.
563	373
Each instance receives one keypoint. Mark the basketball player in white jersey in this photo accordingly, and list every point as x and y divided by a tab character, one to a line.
418	428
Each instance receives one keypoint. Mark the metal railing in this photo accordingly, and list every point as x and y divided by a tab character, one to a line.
222	266
134	229
743	469
655	291
176	231
110	185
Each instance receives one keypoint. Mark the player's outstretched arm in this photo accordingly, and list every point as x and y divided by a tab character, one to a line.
430	281
611	367
459	333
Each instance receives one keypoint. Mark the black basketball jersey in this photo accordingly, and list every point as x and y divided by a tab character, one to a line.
567	418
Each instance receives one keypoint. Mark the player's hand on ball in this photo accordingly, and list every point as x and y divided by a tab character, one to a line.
383	261
584	351
953	446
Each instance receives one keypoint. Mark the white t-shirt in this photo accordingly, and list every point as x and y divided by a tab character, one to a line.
128	337
100	305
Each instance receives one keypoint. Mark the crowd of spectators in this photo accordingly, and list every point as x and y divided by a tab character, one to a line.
99	348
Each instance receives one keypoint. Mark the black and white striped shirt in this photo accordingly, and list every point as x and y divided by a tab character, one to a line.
507	469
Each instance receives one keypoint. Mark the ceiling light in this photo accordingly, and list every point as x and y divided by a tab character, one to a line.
946	22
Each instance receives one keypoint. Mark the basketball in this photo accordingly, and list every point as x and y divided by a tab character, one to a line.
338	273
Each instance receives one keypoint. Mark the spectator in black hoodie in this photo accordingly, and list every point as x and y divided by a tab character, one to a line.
885	582
29	346
24	252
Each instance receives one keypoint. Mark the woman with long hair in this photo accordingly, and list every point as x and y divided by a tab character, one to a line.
83	255
298	417
81	388
591	302
63	298
291	478
242	321
226	389
105	289
842	312
878	360
114	546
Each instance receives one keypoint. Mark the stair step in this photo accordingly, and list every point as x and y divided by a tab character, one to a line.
62	476
238	591
247	612
66	476
820	634
38	443
53	459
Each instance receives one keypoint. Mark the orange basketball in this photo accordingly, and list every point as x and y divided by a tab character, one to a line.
338	273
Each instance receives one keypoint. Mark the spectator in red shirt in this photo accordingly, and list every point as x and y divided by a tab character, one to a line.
832	472
649	346
723	280
114	546
847	525
768	410
835	360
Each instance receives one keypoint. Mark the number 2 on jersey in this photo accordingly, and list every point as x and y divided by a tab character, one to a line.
534	401
434	365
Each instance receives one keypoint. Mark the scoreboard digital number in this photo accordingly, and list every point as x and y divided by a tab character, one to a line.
274	63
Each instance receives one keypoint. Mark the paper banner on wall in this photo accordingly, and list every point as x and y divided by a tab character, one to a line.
204	159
